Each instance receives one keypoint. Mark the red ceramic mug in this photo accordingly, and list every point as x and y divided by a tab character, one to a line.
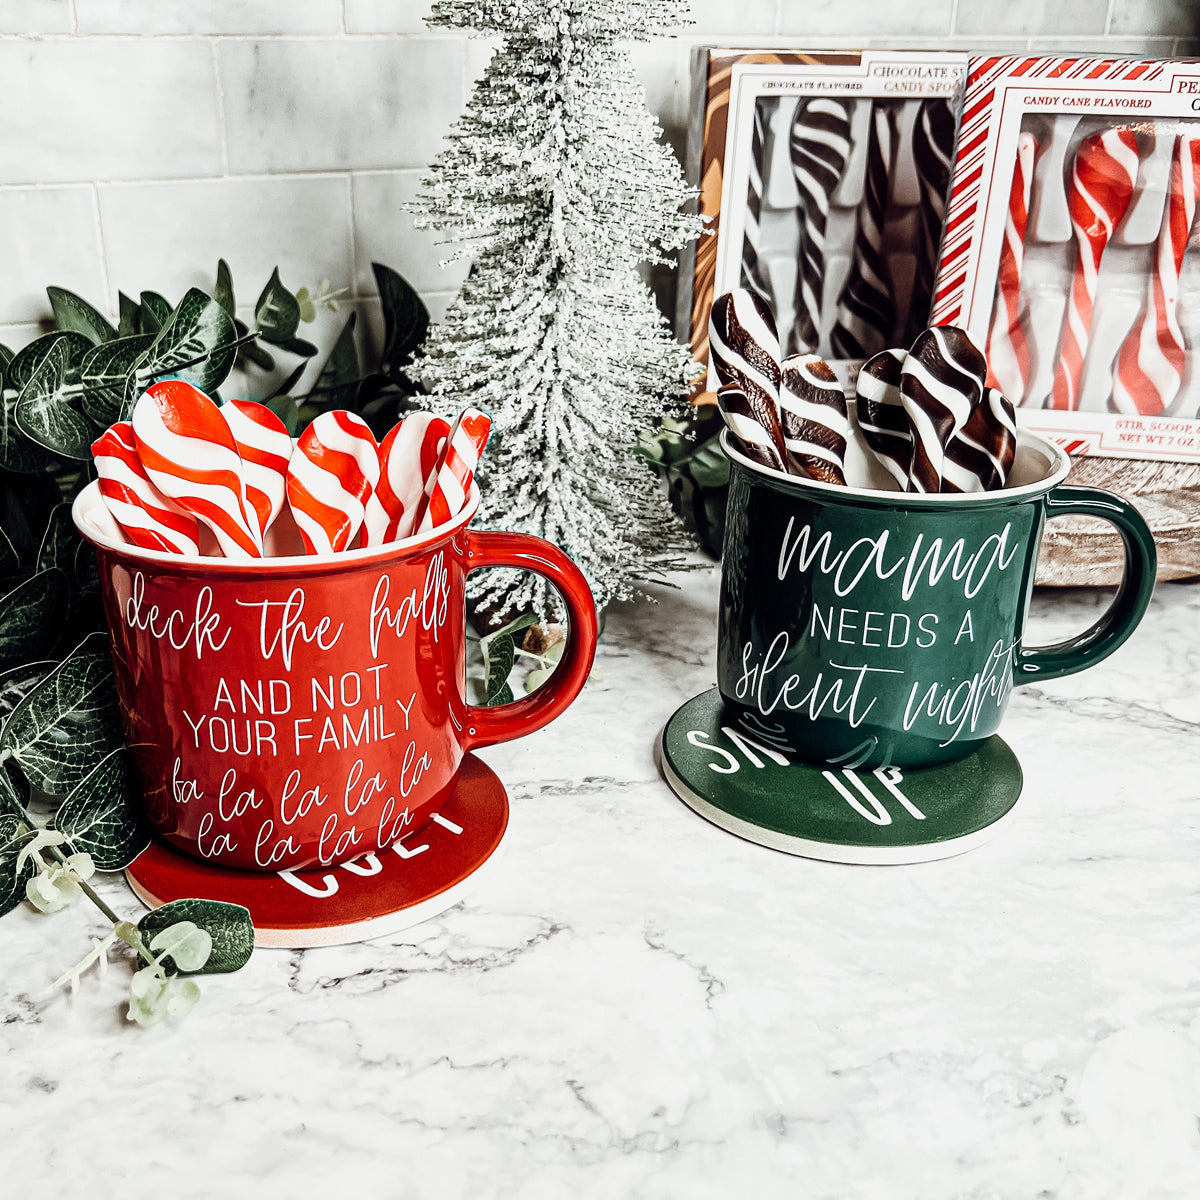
285	713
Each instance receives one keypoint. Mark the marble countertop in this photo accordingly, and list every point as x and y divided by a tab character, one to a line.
637	1003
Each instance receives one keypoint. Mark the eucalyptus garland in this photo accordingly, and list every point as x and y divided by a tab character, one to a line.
68	804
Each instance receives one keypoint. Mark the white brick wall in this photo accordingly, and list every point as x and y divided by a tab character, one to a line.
140	140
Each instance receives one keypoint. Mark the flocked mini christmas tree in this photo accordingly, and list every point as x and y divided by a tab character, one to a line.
557	186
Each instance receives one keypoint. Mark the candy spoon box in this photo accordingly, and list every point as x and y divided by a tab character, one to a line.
824	175
1070	247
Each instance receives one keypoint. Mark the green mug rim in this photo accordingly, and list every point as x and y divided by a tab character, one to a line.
1060	466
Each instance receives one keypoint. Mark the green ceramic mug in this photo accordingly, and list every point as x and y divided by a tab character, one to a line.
868	628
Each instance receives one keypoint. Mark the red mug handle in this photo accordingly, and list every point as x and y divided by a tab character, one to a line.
485	726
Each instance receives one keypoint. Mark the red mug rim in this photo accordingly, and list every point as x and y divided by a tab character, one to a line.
89	500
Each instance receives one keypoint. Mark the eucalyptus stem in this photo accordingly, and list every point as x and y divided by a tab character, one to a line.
91	893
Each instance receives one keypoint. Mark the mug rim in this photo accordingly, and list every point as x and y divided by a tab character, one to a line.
1059	468
90	497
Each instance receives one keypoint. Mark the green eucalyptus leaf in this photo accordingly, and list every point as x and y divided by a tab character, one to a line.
195	344
285	388
32	617
73	312
405	320
130	321
60	542
308	310
47	415
14	792
185	943
229	926
708	466
503	696
26	502
156	312
535	679
30	357
277	313
87	574
223	292
252	351
287	409
500	653
10	560
103	374
69	722
337	383
514	626
13	836
101	816
17	682
299	346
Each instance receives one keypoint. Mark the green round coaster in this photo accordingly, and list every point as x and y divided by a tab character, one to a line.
742	783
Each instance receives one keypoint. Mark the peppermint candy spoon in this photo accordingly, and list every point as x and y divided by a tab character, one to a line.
449	484
265	448
190	455
146	517
330	476
407	455
812	408
1102	181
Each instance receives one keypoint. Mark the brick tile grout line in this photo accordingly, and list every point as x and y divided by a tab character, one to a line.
219	90
105	279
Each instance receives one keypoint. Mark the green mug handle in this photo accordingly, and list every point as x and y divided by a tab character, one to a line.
1132	598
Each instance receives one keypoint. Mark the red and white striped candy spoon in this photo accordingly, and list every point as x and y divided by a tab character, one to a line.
265	448
1150	366
146	517
190	455
331	474
1007	347
1102	180
407	455
449	485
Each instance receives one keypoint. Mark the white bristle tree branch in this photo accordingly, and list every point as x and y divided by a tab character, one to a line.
556	185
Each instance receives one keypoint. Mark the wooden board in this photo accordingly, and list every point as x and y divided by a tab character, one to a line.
1084	551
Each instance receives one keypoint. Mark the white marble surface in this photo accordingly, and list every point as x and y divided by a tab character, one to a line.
637	1004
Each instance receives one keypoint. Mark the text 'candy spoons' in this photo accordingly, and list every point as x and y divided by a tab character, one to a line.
331	474
265	448
190	455
407	455
146	517
812	409
449	485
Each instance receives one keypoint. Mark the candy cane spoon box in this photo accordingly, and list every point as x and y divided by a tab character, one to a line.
1070	247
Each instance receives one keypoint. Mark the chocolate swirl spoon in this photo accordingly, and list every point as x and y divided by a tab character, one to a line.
744	346
815	423
941	383
881	416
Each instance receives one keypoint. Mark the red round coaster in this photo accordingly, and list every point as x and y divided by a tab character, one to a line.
378	894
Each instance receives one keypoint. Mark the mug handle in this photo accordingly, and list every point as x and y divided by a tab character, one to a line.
1133	594
486	726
